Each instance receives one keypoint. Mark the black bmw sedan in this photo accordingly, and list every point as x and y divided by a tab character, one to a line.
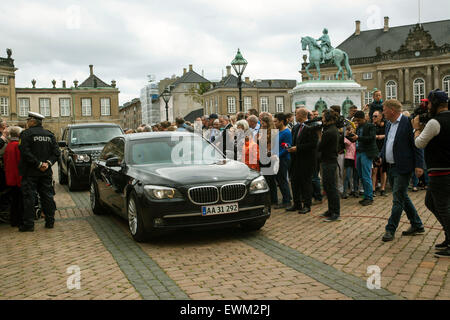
169	180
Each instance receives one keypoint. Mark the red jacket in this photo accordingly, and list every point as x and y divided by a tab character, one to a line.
11	160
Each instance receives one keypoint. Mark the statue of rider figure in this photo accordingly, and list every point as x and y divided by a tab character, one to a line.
325	46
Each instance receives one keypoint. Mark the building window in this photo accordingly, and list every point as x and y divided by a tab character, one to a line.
211	104
206	106
247	103
264	104
4	106
280	104
419	90
216	102
368	97
231	105
86	107
64	107
44	107
367	76
3	79
24	107
446	84
391	90
105	106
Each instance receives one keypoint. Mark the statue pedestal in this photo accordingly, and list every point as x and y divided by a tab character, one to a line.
322	94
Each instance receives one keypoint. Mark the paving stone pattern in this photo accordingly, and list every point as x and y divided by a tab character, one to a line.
293	257
143	273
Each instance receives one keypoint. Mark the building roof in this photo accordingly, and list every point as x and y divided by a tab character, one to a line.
89	83
366	43
191	77
194	115
129	103
231	81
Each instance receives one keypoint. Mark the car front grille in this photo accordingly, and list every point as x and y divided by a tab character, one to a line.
204	195
233	192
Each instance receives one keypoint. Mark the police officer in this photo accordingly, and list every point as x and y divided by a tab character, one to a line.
39	151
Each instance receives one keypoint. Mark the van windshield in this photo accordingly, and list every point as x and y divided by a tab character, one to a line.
93	135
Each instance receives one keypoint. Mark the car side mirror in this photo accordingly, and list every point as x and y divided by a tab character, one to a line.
62	144
113	162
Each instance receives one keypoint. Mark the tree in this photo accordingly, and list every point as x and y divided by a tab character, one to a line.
196	91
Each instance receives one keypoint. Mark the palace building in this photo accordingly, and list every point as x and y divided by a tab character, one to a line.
404	62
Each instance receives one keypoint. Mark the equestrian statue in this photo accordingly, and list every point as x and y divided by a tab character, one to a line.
320	54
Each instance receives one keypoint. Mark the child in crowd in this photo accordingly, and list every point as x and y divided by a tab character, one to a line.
351	174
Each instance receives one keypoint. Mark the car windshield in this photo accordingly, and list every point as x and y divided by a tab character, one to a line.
93	135
175	150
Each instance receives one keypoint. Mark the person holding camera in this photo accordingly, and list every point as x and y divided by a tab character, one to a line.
434	137
328	148
402	159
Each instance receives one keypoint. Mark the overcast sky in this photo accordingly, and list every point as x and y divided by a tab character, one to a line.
128	40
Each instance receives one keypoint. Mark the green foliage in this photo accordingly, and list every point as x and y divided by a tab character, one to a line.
196	93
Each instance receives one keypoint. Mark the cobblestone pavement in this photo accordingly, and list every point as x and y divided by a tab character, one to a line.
293	257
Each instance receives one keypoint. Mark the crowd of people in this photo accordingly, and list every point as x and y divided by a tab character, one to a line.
307	155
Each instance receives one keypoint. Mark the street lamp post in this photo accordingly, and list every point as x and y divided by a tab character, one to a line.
239	64
165	95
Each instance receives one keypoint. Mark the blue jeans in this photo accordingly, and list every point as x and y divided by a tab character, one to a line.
401	201
282	179
415	180
351	179
364	165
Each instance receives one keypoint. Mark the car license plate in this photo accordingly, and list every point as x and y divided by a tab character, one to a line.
220	209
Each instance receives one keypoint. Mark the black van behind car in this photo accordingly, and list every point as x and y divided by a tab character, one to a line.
81	144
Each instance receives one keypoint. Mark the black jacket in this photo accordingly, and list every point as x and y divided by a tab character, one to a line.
367	142
375	106
37	145
227	142
306	143
437	152
406	156
328	146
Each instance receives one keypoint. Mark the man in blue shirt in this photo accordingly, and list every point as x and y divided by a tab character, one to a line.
285	140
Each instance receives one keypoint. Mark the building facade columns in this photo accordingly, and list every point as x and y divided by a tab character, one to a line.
380	81
436	77
407	87
401	86
429	82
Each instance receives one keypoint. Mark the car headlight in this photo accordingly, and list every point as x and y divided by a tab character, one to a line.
81	158
161	193
259	185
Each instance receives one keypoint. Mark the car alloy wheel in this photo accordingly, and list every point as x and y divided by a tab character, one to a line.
132	216
97	207
61	176
69	179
